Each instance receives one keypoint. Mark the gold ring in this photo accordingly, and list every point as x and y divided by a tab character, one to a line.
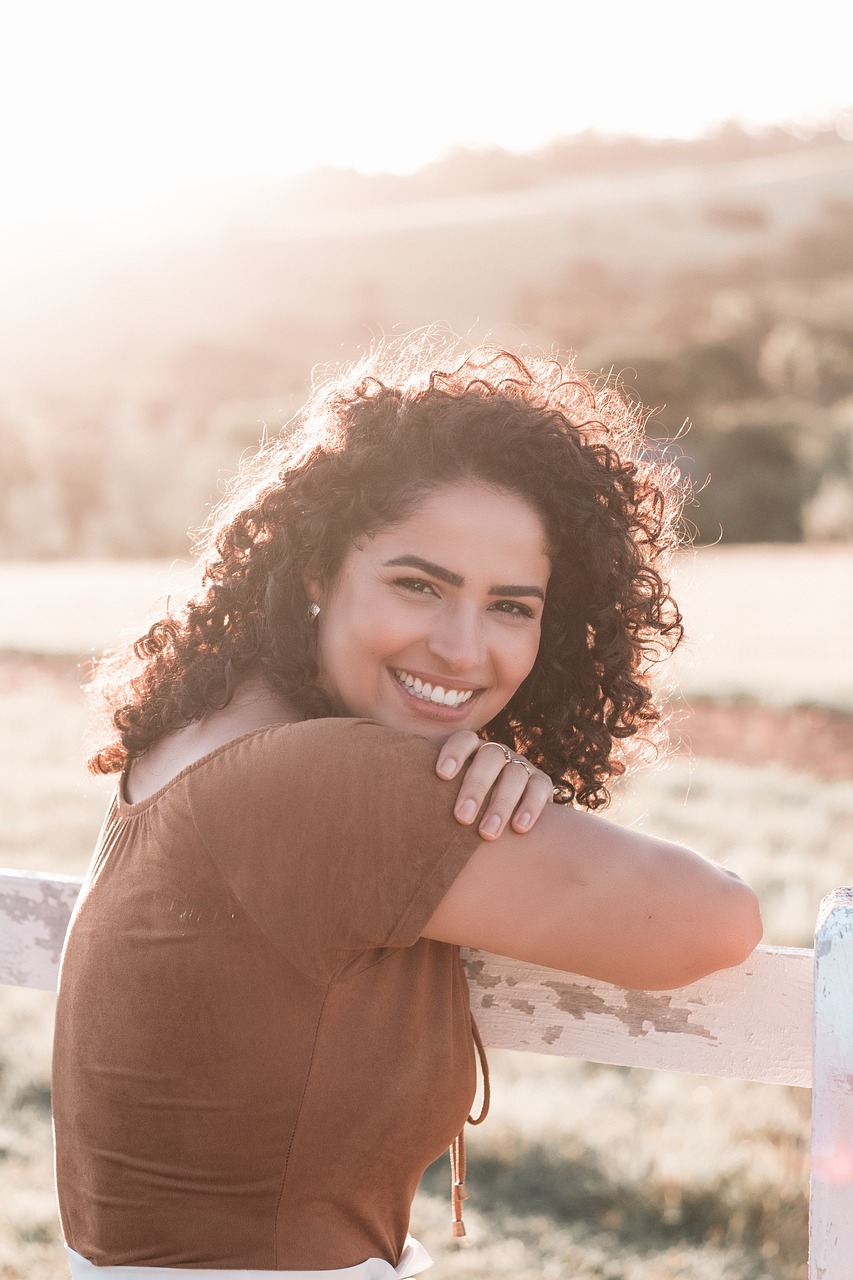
507	754
520	760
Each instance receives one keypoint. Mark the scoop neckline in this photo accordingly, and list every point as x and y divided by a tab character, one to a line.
129	808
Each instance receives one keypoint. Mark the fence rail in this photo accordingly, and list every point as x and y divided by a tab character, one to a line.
785	1016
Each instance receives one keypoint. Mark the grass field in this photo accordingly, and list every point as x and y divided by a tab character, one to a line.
582	1171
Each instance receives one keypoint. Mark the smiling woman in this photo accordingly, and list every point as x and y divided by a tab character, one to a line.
418	631
523	474
263	1031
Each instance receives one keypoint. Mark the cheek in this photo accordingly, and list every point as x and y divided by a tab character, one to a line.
364	630
526	658
387	623
379	635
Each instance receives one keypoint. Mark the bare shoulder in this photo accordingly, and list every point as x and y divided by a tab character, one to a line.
171	755
320	744
583	894
251	708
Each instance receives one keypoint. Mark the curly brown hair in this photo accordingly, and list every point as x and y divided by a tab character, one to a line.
370	444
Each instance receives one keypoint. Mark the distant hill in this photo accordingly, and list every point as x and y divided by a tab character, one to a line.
301	271
714	279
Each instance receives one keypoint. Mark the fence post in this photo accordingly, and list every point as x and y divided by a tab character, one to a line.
831	1206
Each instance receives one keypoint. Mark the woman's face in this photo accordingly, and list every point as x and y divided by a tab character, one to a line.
433	623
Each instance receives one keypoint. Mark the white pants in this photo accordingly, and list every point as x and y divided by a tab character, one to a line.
413	1260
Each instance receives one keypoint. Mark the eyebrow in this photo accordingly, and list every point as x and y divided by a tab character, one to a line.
456	579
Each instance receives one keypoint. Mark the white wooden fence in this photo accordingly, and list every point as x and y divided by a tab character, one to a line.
784	1017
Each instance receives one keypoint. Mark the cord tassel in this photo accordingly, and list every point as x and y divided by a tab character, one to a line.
458	1193
484	1067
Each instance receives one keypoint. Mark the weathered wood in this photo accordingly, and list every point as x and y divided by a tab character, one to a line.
34	915
751	1023
831	1205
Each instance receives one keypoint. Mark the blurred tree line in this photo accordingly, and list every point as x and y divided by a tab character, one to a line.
747	369
745	359
476	171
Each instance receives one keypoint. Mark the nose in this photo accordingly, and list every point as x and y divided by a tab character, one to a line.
457	638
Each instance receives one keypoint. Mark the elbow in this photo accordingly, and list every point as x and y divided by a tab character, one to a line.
745	927
723	935
730	933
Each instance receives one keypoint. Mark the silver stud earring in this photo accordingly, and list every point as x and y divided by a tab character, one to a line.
313	610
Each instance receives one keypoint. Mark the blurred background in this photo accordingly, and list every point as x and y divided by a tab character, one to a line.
202	204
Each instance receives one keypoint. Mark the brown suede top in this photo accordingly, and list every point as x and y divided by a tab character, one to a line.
256	1054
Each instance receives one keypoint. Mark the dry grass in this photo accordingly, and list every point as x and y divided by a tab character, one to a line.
582	1172
586	1171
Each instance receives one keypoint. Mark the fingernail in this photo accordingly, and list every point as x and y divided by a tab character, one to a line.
447	768
466	811
523	821
491	826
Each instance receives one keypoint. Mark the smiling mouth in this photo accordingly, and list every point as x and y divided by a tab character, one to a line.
427	692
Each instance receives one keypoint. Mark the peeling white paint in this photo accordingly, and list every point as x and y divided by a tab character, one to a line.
752	1023
831	1203
34	915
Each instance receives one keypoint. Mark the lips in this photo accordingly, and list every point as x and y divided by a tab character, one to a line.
425	691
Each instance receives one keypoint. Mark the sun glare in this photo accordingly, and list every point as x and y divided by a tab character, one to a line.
115	112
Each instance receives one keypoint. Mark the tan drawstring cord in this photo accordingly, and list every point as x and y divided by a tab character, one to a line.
457	1149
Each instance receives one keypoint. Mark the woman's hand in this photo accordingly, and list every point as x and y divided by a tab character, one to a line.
515	789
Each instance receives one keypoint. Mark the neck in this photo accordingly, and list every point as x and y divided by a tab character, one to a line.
255	705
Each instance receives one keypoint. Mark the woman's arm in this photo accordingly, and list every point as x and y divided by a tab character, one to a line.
585	895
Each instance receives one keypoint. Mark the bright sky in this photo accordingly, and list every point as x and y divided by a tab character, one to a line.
112	110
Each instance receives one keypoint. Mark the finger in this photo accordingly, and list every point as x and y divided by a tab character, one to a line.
535	797
486	767
458	748
503	801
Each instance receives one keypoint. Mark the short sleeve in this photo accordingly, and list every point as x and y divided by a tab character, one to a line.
336	836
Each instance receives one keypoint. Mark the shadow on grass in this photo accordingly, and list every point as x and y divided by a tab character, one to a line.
534	1181
35	1094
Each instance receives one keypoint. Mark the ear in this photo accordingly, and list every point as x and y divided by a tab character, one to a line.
313	588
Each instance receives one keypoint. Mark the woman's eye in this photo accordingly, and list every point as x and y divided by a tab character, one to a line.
513	609
419	586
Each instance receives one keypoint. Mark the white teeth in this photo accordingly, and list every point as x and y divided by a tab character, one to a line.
426	693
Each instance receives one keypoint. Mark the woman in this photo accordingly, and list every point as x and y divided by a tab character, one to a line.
263	1034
